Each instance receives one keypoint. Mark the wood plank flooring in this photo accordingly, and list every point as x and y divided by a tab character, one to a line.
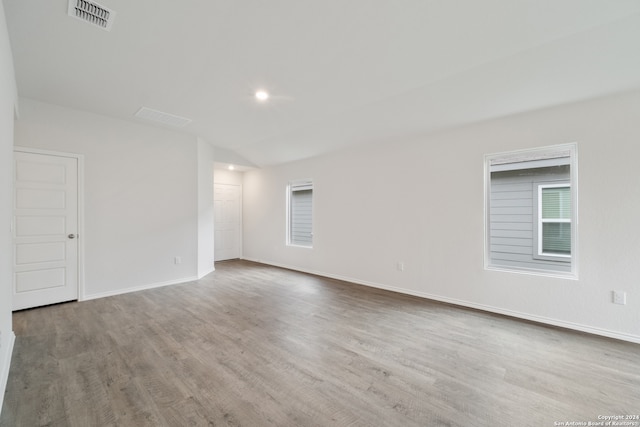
253	345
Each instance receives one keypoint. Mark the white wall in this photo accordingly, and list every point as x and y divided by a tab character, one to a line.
421	202
224	176
229	157
141	195
8	99
205	209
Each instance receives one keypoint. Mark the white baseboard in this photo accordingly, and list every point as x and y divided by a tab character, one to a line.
137	288
4	369
526	316
206	272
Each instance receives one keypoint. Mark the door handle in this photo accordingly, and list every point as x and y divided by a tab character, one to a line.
71	236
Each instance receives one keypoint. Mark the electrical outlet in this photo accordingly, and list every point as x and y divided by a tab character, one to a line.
619	297
177	260
400	265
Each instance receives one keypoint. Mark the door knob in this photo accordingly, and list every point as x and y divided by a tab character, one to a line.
71	236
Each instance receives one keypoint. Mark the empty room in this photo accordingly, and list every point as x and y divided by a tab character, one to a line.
340	213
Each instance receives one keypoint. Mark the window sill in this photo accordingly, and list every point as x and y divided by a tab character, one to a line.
542	273
291	245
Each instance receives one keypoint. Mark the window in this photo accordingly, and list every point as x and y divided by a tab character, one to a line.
553	233
530	210
300	214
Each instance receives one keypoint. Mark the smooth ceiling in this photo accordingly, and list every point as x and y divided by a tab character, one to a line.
340	72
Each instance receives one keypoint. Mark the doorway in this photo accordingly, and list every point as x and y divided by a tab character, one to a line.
227	221
46	227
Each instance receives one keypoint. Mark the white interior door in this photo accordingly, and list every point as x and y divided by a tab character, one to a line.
45	229
227	223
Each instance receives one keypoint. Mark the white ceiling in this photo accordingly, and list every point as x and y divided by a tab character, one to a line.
339	72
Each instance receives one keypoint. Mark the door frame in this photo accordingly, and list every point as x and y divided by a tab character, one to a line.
80	159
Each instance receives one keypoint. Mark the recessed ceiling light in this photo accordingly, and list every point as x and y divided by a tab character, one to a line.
262	95
231	167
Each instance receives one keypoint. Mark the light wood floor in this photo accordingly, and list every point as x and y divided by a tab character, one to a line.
253	345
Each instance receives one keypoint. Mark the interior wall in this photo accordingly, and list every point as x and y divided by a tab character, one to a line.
224	176
8	100
205	209
140	192
420	201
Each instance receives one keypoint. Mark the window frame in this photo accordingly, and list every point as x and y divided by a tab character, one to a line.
292	187
538	237
517	156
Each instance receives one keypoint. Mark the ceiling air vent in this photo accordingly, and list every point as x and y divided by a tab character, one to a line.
164	118
92	13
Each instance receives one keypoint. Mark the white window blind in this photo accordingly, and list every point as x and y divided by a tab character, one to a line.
300	214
